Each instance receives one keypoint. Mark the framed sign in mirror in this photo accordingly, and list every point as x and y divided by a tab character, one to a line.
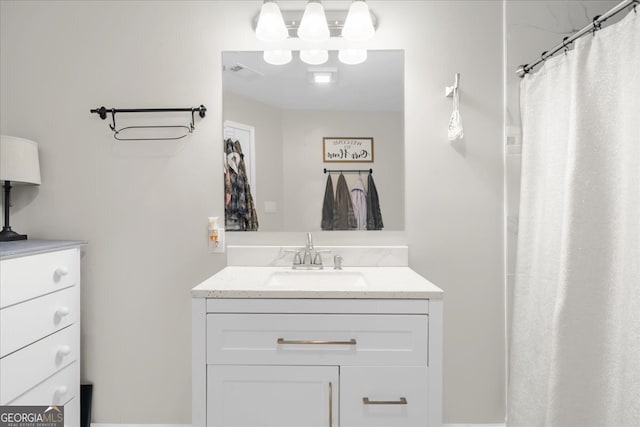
347	149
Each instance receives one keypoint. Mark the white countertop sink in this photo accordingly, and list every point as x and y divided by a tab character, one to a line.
284	282
316	280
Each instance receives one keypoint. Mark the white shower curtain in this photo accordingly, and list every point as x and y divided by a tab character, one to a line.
575	337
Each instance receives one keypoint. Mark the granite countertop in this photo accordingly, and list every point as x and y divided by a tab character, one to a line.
20	248
369	283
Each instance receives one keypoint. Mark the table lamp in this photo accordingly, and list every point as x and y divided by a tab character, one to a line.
19	164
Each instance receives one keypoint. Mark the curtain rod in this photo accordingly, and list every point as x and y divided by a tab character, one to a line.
595	25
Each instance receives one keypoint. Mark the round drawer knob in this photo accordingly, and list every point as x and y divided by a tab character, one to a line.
61	271
62	390
62	311
64	350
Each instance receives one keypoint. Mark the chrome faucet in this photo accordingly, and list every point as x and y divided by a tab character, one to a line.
308	258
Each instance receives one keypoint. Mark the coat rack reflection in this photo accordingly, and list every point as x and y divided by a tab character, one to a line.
189	128
348	170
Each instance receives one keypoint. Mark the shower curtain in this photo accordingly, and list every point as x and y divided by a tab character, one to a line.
575	337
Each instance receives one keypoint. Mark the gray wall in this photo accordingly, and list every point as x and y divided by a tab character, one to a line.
143	206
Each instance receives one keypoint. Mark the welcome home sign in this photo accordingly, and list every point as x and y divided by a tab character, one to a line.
351	149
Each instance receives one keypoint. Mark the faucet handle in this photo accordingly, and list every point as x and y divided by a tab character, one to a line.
337	262
317	260
296	257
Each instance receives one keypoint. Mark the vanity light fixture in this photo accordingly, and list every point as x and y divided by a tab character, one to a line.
271	26
277	56
313	26
352	56
358	25
314	56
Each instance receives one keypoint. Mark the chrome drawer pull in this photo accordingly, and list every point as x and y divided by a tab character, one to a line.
401	401
352	341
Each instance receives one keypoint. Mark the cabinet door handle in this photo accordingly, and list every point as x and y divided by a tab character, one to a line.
352	341
330	404
401	401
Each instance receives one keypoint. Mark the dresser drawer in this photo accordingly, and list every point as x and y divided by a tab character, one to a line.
29	366
58	389
24	323
384	396
344	340
28	277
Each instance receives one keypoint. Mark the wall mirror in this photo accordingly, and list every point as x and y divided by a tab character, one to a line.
289	129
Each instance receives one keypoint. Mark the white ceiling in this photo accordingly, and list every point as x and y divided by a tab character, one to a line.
375	85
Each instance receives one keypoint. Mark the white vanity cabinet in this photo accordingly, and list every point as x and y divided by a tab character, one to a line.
40	325
306	362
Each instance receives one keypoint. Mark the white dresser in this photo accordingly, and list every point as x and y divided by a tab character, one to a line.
40	325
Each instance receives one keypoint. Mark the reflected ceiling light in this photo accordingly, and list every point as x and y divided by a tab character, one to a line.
352	56
313	26
314	56
358	25
271	27
323	75
277	57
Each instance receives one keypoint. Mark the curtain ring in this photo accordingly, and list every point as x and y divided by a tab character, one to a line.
597	25
564	44
543	54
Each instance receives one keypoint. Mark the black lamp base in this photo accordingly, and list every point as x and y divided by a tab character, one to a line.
8	235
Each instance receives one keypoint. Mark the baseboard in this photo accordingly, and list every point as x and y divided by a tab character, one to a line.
139	425
189	425
474	425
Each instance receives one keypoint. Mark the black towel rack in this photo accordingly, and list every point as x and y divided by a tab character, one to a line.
348	170
189	128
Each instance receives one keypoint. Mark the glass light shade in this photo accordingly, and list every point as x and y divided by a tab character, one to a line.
19	161
358	25
271	27
277	57
352	56
313	26
314	56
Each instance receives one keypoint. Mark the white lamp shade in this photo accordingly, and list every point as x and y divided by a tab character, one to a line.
271	27
313	26
352	56
19	160
358	25
277	57
314	56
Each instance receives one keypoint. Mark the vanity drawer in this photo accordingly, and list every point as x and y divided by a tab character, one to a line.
384	396
344	340
55	390
27	277
24	323
29	366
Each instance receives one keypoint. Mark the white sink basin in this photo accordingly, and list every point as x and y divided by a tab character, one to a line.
316	280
